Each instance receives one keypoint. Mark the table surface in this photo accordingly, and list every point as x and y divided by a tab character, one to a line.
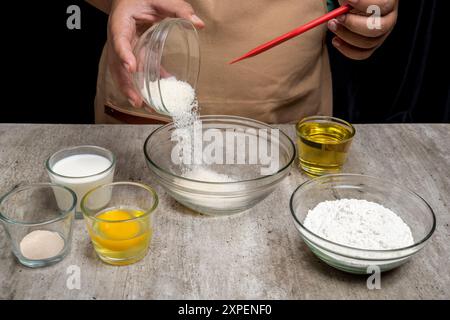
255	255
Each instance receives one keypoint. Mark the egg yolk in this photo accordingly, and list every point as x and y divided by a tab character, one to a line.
118	236
118	230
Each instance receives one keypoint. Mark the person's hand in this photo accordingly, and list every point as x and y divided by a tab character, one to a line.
127	20
354	38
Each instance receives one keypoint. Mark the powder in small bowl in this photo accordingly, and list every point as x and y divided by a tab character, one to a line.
41	244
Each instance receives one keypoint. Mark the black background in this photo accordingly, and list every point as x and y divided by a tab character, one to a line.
49	72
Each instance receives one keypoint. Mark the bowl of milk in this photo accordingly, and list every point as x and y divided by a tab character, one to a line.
81	169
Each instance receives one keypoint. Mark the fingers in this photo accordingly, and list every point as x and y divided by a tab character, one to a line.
352	38
122	61
350	51
122	78
125	19
120	36
179	9
386	6
358	24
357	37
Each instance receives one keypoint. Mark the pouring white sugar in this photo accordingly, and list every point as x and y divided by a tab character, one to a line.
178	95
180	100
359	224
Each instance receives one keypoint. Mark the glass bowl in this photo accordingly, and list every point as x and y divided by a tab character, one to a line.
168	50
42	211
323	144
413	210
81	183
121	227
252	180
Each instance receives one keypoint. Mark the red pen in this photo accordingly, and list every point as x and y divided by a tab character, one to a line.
293	33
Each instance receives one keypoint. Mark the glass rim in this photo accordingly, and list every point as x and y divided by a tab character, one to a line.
355	175
330	119
89	213
19	188
50	170
222	117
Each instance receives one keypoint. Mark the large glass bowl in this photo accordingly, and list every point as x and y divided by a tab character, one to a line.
250	185
414	211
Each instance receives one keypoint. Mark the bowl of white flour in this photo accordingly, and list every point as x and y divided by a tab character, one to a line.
361	224
220	165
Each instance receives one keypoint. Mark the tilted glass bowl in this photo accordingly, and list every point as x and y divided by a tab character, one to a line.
169	49
250	185
409	206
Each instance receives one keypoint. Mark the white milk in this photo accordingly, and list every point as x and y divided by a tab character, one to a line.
82	173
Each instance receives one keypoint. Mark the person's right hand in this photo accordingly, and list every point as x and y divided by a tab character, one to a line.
128	19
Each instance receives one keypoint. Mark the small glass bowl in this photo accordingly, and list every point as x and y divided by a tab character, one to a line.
124	240
323	144
250	186
82	184
38	207
409	206
169	49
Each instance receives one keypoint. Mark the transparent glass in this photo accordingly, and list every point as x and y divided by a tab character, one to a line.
251	184
323	144
35	208
168	49
413	210
121	229
82	184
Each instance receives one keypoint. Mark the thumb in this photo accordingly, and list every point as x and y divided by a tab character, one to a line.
181	9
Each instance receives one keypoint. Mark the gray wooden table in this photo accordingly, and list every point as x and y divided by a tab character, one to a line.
257	255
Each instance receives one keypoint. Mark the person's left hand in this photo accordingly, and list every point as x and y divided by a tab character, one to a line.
354	38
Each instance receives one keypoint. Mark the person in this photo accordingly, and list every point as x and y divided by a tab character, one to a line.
282	85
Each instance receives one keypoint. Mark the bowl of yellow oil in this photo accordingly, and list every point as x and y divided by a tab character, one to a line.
120	228
323	144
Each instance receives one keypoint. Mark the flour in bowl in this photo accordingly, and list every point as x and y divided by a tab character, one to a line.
360	224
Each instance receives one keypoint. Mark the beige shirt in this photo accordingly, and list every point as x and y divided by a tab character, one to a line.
282	85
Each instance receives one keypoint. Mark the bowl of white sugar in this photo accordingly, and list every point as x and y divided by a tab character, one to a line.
219	165
361	224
